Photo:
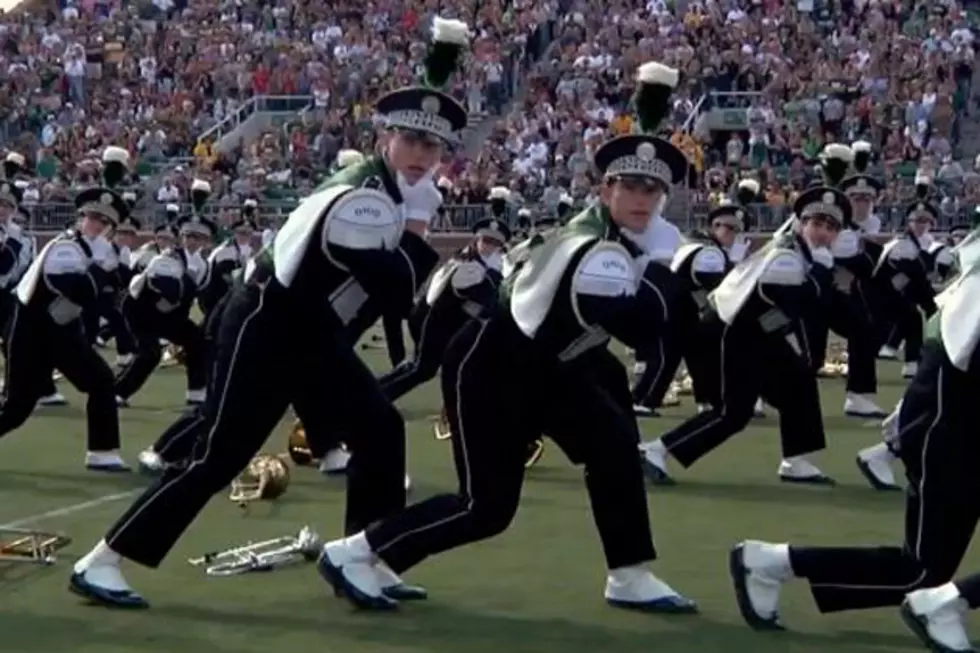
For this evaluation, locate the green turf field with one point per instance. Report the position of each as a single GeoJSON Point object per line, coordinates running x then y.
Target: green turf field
{"type": "Point", "coordinates": [538, 588]}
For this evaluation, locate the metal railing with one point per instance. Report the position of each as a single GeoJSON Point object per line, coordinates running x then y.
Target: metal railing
{"type": "Point", "coordinates": [462, 217]}
{"type": "Point", "coordinates": [256, 104]}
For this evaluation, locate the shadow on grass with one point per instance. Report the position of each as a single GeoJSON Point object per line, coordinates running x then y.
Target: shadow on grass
{"type": "Point", "coordinates": [443, 628]}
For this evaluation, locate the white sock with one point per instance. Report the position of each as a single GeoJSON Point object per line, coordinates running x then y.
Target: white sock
{"type": "Point", "coordinates": [358, 546]}
{"type": "Point", "coordinates": [100, 555]}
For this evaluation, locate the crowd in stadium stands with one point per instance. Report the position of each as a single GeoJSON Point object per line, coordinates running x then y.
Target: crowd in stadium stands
{"type": "Point", "coordinates": [784, 78]}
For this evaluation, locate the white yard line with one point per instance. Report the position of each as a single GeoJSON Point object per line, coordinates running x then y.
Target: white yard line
{"type": "Point", "coordinates": [71, 509]}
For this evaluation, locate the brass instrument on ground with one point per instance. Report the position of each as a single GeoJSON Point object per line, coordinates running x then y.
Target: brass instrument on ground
{"type": "Point", "coordinates": [534, 452]}
{"type": "Point", "coordinates": [535, 449]}
{"type": "Point", "coordinates": [262, 556]}
{"type": "Point", "coordinates": [24, 545]}
{"type": "Point", "coordinates": [297, 447]}
{"type": "Point", "coordinates": [835, 366]}
{"type": "Point", "coordinates": [173, 356]}
{"type": "Point", "coordinates": [265, 478]}
{"type": "Point", "coordinates": [441, 427]}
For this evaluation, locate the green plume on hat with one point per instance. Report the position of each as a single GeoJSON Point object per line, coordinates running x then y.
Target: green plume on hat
{"type": "Point", "coordinates": [449, 38]}
{"type": "Point", "coordinates": [655, 83]}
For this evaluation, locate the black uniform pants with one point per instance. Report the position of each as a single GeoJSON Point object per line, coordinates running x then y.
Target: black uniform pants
{"type": "Point", "coordinates": [906, 325]}
{"type": "Point", "coordinates": [148, 328]}
{"type": "Point", "coordinates": [490, 365]}
{"type": "Point", "coordinates": [969, 588]}
{"type": "Point", "coordinates": [431, 329]}
{"type": "Point", "coordinates": [116, 329]}
{"type": "Point", "coordinates": [394, 339]}
{"type": "Point", "coordinates": [33, 347]}
{"type": "Point", "coordinates": [939, 450]}
{"type": "Point", "coordinates": [849, 316]}
{"type": "Point", "coordinates": [269, 346]}
{"type": "Point", "coordinates": [755, 364]}
{"type": "Point", "coordinates": [663, 355]}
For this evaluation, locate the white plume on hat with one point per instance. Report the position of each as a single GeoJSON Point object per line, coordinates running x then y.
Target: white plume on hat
{"type": "Point", "coordinates": [448, 30]}
{"type": "Point", "coordinates": [750, 185]}
{"type": "Point", "coordinates": [113, 154]}
{"type": "Point", "coordinates": [500, 193]}
{"type": "Point", "coordinates": [347, 158]}
{"type": "Point", "coordinates": [201, 186]}
{"type": "Point", "coordinates": [16, 158]}
{"type": "Point", "coordinates": [861, 146]}
{"type": "Point", "coordinates": [838, 151]}
{"type": "Point", "coordinates": [444, 182]}
{"type": "Point", "coordinates": [172, 208]}
{"type": "Point", "coordinates": [655, 72]}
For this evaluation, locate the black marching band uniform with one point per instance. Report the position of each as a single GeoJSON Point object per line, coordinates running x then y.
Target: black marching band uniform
{"type": "Point", "coordinates": [463, 288]}
{"type": "Point", "coordinates": [157, 306]}
{"type": "Point", "coordinates": [700, 266]}
{"type": "Point", "coordinates": [904, 273]}
{"type": "Point", "coordinates": [224, 263]}
{"type": "Point", "coordinates": [543, 354]}
{"type": "Point", "coordinates": [937, 444]}
{"type": "Point", "coordinates": [852, 308]}
{"type": "Point", "coordinates": [352, 245]}
{"type": "Point", "coordinates": [43, 329]}
{"type": "Point", "coordinates": [18, 251]}
{"type": "Point", "coordinates": [764, 305]}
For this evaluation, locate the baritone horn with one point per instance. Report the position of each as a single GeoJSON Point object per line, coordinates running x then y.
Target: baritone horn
{"type": "Point", "coordinates": [262, 556]}
{"type": "Point", "coordinates": [30, 546]}
{"type": "Point", "coordinates": [265, 478]}
{"type": "Point", "coordinates": [297, 447]}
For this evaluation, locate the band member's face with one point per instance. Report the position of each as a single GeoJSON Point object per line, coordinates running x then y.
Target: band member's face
{"type": "Point", "coordinates": [414, 154]}
{"type": "Point", "coordinates": [194, 242]}
{"type": "Point", "coordinates": [820, 231]}
{"type": "Point", "coordinates": [243, 236]}
{"type": "Point", "coordinates": [6, 211]}
{"type": "Point", "coordinates": [861, 206]}
{"type": "Point", "coordinates": [164, 241]}
{"type": "Point", "coordinates": [724, 233]}
{"type": "Point", "coordinates": [956, 239]}
{"type": "Point", "coordinates": [631, 202]}
{"type": "Point", "coordinates": [920, 226]}
{"type": "Point", "coordinates": [487, 247]}
{"type": "Point", "coordinates": [125, 239]}
{"type": "Point", "coordinates": [91, 225]}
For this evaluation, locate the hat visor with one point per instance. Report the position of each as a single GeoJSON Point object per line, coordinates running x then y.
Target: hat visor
{"type": "Point", "coordinates": [731, 223]}
{"type": "Point", "coordinates": [430, 136]}
{"type": "Point", "coordinates": [492, 234]}
{"type": "Point", "coordinates": [100, 212]}
{"type": "Point", "coordinates": [650, 182]}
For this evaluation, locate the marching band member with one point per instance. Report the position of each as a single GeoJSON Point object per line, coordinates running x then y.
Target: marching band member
{"type": "Point", "coordinates": [902, 275]}
{"type": "Point", "coordinates": [45, 329]}
{"type": "Point", "coordinates": [224, 260]}
{"type": "Point", "coordinates": [853, 305]}
{"type": "Point", "coordinates": [357, 242]}
{"type": "Point", "coordinates": [764, 304]}
{"type": "Point", "coordinates": [701, 266]}
{"type": "Point", "coordinates": [657, 360]}
{"type": "Point", "coordinates": [938, 447]}
{"type": "Point", "coordinates": [465, 287]}
{"type": "Point", "coordinates": [875, 462]}
{"type": "Point", "coordinates": [19, 250]}
{"type": "Point", "coordinates": [564, 208]}
{"type": "Point", "coordinates": [156, 307]}
{"type": "Point", "coordinates": [164, 238]}
{"type": "Point", "coordinates": [580, 287]}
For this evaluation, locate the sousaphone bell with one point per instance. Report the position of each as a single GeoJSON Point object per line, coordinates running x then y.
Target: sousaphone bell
{"type": "Point", "coordinates": [265, 479]}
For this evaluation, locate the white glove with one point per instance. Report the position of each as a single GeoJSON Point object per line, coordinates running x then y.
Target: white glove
{"type": "Point", "coordinates": [822, 256]}
{"type": "Point", "coordinates": [421, 199]}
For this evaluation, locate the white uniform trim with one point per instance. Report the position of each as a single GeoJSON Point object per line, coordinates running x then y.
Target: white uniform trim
{"type": "Point", "coordinates": [467, 275]}
{"type": "Point", "coordinates": [785, 268]}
